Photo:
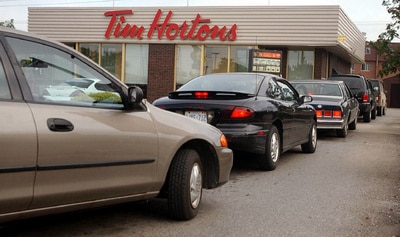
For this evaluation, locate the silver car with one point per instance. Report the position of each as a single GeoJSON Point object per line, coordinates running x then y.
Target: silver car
{"type": "Point", "coordinates": [96, 149]}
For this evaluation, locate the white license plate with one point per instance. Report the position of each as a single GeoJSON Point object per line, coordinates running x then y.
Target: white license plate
{"type": "Point", "coordinates": [198, 115]}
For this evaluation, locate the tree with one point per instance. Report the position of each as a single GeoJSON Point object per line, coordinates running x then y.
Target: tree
{"type": "Point", "coordinates": [9, 24]}
{"type": "Point", "coordinates": [383, 45]}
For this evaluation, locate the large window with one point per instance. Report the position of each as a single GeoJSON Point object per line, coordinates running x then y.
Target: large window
{"type": "Point", "coordinates": [216, 59]}
{"type": "Point", "coordinates": [111, 58]}
{"type": "Point", "coordinates": [90, 50]}
{"type": "Point", "coordinates": [136, 64]}
{"type": "Point", "coordinates": [188, 60]}
{"type": "Point", "coordinates": [300, 64]}
{"type": "Point", "coordinates": [239, 60]}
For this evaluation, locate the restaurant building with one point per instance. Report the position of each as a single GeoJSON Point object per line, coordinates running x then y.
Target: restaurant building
{"type": "Point", "coordinates": [161, 48]}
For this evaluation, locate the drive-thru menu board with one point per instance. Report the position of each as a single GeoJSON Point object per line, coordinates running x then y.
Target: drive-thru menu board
{"type": "Point", "coordinates": [269, 61]}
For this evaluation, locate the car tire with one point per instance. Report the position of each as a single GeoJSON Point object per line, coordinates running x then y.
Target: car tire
{"type": "Point", "coordinates": [185, 185]}
{"type": "Point", "coordinates": [311, 145]}
{"type": "Point", "coordinates": [367, 116]}
{"type": "Point", "coordinates": [353, 125]}
{"type": "Point", "coordinates": [342, 132]}
{"type": "Point", "coordinates": [373, 113]}
{"type": "Point", "coordinates": [269, 160]}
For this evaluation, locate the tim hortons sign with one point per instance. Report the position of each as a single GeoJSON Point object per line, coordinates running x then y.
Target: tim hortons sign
{"type": "Point", "coordinates": [198, 29]}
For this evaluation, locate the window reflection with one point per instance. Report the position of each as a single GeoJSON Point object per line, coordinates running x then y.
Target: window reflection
{"type": "Point", "coordinates": [188, 60]}
{"type": "Point", "coordinates": [4, 89]}
{"type": "Point", "coordinates": [54, 76]}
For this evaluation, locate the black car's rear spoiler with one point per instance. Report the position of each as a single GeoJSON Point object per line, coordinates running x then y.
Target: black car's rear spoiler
{"type": "Point", "coordinates": [214, 95]}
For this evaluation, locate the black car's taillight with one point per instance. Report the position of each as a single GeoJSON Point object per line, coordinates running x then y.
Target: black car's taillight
{"type": "Point", "coordinates": [241, 113]}
{"type": "Point", "coordinates": [201, 94]}
{"type": "Point", "coordinates": [365, 97]}
{"type": "Point", "coordinates": [329, 114]}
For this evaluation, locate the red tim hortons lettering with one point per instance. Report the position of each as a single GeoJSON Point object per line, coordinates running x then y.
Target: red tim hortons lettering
{"type": "Point", "coordinates": [198, 30]}
{"type": "Point", "coordinates": [160, 28]}
{"type": "Point", "coordinates": [114, 15]}
{"type": "Point", "coordinates": [127, 30]}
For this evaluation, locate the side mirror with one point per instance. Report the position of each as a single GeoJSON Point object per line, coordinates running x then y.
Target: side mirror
{"type": "Point", "coordinates": [135, 95]}
{"type": "Point", "coordinates": [306, 99]}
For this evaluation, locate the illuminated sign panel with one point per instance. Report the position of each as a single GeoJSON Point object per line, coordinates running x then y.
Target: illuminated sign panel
{"type": "Point", "coordinates": [268, 61]}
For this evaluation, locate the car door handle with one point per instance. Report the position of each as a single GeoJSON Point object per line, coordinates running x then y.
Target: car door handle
{"type": "Point", "coordinates": [59, 125]}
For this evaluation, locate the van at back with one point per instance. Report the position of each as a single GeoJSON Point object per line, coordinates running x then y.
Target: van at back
{"type": "Point", "coordinates": [380, 94]}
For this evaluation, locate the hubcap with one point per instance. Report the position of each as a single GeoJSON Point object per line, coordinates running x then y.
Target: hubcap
{"type": "Point", "coordinates": [314, 136]}
{"type": "Point", "coordinates": [195, 185]}
{"type": "Point", "coordinates": [274, 147]}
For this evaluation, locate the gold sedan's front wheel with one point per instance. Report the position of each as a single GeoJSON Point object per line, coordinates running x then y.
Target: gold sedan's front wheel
{"type": "Point", "coordinates": [185, 185]}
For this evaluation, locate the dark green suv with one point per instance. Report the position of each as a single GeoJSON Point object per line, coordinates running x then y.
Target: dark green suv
{"type": "Point", "coordinates": [362, 90]}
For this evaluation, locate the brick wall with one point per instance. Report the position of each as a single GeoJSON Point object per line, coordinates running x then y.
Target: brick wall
{"type": "Point", "coordinates": [320, 67]}
{"type": "Point", "coordinates": [161, 70]}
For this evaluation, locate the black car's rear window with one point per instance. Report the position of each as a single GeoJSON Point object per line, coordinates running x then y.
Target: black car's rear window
{"type": "Point", "coordinates": [354, 83]}
{"type": "Point", "coordinates": [374, 84]}
{"type": "Point", "coordinates": [309, 88]}
{"type": "Point", "coordinates": [247, 83]}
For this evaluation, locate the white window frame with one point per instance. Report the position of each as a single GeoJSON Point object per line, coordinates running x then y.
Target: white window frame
{"type": "Point", "coordinates": [365, 67]}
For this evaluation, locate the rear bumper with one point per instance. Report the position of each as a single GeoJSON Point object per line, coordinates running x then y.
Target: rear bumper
{"type": "Point", "coordinates": [364, 107]}
{"type": "Point", "coordinates": [248, 138]}
{"type": "Point", "coordinates": [330, 124]}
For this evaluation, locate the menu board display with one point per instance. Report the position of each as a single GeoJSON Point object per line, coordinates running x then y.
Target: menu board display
{"type": "Point", "coordinates": [269, 61]}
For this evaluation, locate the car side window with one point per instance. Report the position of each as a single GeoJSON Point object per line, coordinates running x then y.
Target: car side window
{"type": "Point", "coordinates": [4, 87]}
{"type": "Point", "coordinates": [272, 90]}
{"type": "Point", "coordinates": [347, 92]}
{"type": "Point", "coordinates": [287, 92]}
{"type": "Point", "coordinates": [55, 76]}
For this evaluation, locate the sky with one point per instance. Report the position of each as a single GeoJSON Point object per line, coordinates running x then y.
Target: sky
{"type": "Point", "coordinates": [368, 15]}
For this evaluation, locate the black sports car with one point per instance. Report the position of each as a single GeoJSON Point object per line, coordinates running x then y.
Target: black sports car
{"type": "Point", "coordinates": [335, 106]}
{"type": "Point", "coordinates": [258, 113]}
